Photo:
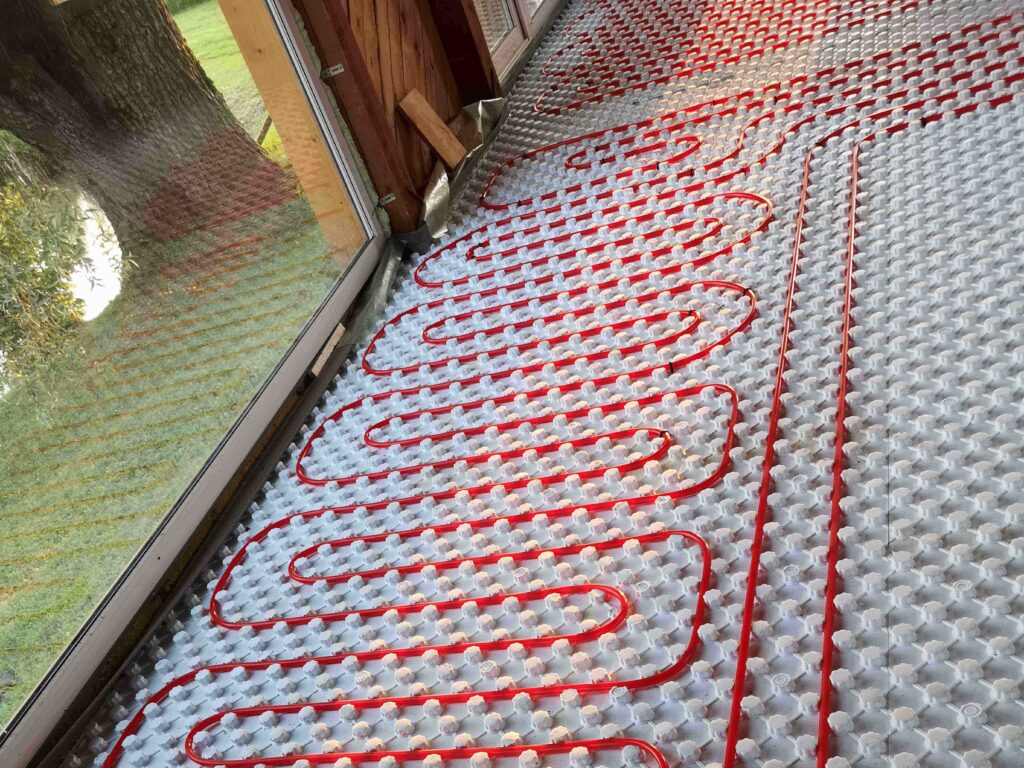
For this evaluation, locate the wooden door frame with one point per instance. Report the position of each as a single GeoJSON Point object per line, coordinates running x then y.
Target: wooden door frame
{"type": "Point", "coordinates": [345, 73]}
{"type": "Point", "coordinates": [538, 22]}
{"type": "Point", "coordinates": [463, 41]}
{"type": "Point", "coordinates": [514, 42]}
{"type": "Point", "coordinates": [513, 52]}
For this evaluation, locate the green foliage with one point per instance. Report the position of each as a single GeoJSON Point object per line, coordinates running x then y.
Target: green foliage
{"type": "Point", "coordinates": [41, 245]}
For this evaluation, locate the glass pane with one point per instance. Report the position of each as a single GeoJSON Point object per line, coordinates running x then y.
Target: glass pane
{"type": "Point", "coordinates": [159, 257]}
{"type": "Point", "coordinates": [533, 6]}
{"type": "Point", "coordinates": [496, 20]}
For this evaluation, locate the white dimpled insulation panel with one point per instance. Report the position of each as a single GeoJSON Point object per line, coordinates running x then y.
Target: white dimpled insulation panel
{"type": "Point", "coordinates": [694, 443]}
{"type": "Point", "coordinates": [930, 651]}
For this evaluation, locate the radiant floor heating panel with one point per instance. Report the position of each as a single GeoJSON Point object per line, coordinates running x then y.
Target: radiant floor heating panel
{"type": "Point", "coordinates": [696, 442]}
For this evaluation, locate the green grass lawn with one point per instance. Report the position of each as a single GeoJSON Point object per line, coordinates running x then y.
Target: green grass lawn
{"type": "Point", "coordinates": [207, 34]}
{"type": "Point", "coordinates": [90, 465]}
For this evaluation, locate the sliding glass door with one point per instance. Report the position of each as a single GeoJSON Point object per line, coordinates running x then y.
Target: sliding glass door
{"type": "Point", "coordinates": [183, 229]}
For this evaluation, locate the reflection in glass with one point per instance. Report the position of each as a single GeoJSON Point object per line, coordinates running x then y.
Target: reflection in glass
{"type": "Point", "coordinates": [159, 259]}
{"type": "Point", "coordinates": [495, 20]}
{"type": "Point", "coordinates": [533, 6]}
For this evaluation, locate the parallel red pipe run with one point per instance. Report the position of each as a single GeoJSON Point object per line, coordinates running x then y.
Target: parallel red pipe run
{"type": "Point", "coordinates": [830, 621]}
{"type": "Point", "coordinates": [838, 463]}
{"type": "Point", "coordinates": [733, 734]}
{"type": "Point", "coordinates": [838, 458]}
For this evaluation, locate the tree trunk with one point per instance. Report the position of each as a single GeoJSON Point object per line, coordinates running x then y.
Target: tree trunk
{"type": "Point", "coordinates": [110, 94]}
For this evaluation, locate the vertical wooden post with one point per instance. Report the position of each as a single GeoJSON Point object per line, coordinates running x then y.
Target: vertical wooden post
{"type": "Point", "coordinates": [463, 41]}
{"type": "Point", "coordinates": [271, 69]}
{"type": "Point", "coordinates": [349, 80]}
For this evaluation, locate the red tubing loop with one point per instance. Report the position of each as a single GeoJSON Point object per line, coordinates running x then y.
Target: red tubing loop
{"type": "Point", "coordinates": [589, 299]}
{"type": "Point", "coordinates": [617, 76]}
{"type": "Point", "coordinates": [657, 442]}
{"type": "Point", "coordinates": [610, 229]}
{"type": "Point", "coordinates": [609, 596]}
{"type": "Point", "coordinates": [649, 444]}
{"type": "Point", "coordinates": [586, 551]}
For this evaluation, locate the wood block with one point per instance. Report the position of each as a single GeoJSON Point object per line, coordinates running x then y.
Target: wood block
{"type": "Point", "coordinates": [432, 129]}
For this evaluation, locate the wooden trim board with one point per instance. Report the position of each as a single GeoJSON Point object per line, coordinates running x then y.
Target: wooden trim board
{"type": "Point", "coordinates": [432, 129]}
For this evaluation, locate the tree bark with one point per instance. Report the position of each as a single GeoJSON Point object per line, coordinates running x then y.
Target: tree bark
{"type": "Point", "coordinates": [110, 94]}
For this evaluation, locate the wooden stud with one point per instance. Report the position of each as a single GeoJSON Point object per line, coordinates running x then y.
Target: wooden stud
{"type": "Point", "coordinates": [462, 38]}
{"type": "Point", "coordinates": [432, 128]}
{"type": "Point", "coordinates": [387, 85]}
{"type": "Point", "coordinates": [357, 96]}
